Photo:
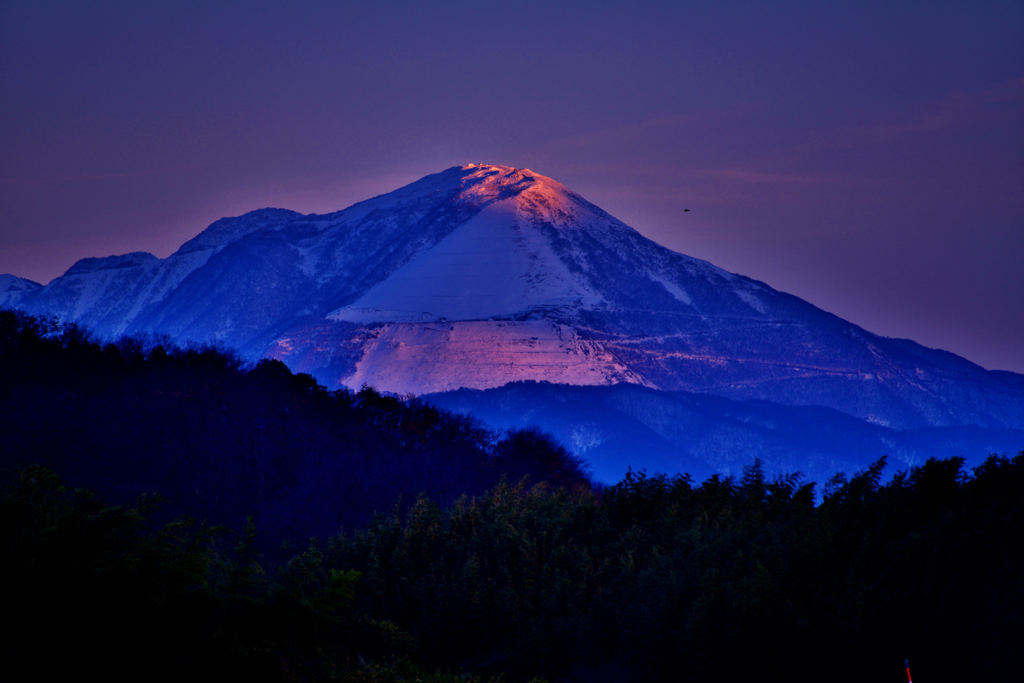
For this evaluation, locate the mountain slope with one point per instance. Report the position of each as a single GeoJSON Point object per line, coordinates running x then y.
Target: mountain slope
{"type": "Point", "coordinates": [678, 431]}
{"type": "Point", "coordinates": [483, 275]}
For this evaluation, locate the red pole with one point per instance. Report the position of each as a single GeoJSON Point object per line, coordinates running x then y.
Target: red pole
{"type": "Point", "coordinates": [906, 663]}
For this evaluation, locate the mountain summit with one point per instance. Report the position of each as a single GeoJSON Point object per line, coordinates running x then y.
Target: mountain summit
{"type": "Point", "coordinates": [480, 276]}
{"type": "Point", "coordinates": [500, 262]}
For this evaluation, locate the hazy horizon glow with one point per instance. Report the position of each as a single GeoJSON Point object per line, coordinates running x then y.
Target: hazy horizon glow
{"type": "Point", "coordinates": [866, 157]}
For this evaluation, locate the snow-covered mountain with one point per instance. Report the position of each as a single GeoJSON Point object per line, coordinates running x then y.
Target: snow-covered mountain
{"type": "Point", "coordinates": [481, 275]}
{"type": "Point", "coordinates": [12, 286]}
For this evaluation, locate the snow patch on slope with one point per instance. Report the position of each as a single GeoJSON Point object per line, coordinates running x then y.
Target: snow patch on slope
{"type": "Point", "coordinates": [751, 299]}
{"type": "Point", "coordinates": [675, 290]}
{"type": "Point", "coordinates": [416, 358]}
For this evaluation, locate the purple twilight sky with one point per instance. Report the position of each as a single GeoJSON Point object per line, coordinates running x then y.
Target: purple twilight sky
{"type": "Point", "coordinates": [865, 156]}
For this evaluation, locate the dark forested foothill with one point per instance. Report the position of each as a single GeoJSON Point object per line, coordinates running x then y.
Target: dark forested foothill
{"type": "Point", "coordinates": [221, 441]}
{"type": "Point", "coordinates": [508, 563]}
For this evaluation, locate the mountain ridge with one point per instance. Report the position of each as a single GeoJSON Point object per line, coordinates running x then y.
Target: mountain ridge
{"type": "Point", "coordinates": [483, 275]}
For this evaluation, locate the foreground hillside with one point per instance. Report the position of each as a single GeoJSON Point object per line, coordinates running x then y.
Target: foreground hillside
{"type": "Point", "coordinates": [534, 572]}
